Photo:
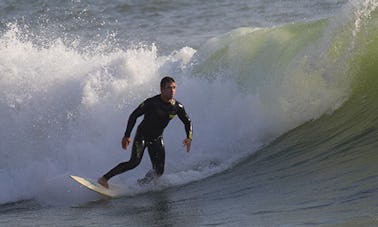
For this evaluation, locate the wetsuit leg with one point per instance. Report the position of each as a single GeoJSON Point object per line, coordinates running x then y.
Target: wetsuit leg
{"type": "Point", "coordinates": [156, 150]}
{"type": "Point", "coordinates": [139, 146]}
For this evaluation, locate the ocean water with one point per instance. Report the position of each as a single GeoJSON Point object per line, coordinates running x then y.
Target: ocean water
{"type": "Point", "coordinates": [282, 95]}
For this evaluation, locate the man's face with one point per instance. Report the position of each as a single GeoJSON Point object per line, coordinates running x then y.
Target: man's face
{"type": "Point", "coordinates": [168, 91]}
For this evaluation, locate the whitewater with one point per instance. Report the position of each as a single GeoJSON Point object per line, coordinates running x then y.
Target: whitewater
{"type": "Point", "coordinates": [282, 97]}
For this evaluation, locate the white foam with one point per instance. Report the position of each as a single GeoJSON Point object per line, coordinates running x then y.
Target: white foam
{"type": "Point", "coordinates": [64, 112]}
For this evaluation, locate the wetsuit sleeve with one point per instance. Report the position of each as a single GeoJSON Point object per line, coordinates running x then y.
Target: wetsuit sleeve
{"type": "Point", "coordinates": [140, 110]}
{"type": "Point", "coordinates": [186, 120]}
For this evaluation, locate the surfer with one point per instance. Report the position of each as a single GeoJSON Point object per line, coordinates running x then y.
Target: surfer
{"type": "Point", "coordinates": [158, 111]}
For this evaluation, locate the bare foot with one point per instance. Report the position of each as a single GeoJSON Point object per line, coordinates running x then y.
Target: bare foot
{"type": "Point", "coordinates": [103, 182]}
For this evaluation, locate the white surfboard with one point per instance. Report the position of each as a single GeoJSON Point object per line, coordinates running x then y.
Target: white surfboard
{"type": "Point", "coordinates": [112, 191]}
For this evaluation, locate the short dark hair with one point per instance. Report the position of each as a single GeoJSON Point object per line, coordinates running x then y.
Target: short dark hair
{"type": "Point", "coordinates": [166, 80]}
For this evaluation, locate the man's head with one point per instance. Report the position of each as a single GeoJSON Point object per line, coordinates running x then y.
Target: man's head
{"type": "Point", "coordinates": [167, 88]}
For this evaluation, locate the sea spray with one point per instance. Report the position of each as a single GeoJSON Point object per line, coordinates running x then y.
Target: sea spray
{"type": "Point", "coordinates": [64, 109]}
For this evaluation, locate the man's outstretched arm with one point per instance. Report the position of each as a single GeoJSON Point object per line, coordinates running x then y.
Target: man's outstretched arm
{"type": "Point", "coordinates": [140, 110]}
{"type": "Point", "coordinates": [188, 126]}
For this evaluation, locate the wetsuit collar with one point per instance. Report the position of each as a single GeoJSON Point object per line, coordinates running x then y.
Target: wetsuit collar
{"type": "Point", "coordinates": [171, 101]}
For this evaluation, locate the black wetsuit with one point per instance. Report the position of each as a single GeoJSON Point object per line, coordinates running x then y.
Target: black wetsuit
{"type": "Point", "coordinates": [157, 115]}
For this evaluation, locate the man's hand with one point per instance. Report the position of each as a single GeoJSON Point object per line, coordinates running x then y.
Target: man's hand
{"type": "Point", "coordinates": [187, 142]}
{"type": "Point", "coordinates": [125, 142]}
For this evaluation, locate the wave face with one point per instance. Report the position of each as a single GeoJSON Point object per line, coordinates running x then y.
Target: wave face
{"type": "Point", "coordinates": [63, 109]}
{"type": "Point", "coordinates": [324, 171]}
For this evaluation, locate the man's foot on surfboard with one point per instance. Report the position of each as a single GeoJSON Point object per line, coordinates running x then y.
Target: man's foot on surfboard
{"type": "Point", "coordinates": [103, 182]}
